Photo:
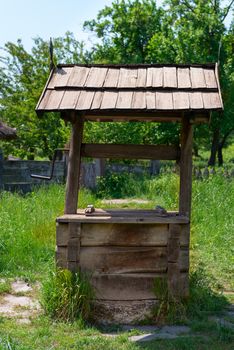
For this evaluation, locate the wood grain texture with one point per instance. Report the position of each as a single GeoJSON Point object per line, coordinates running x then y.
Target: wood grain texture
{"type": "Point", "coordinates": [197, 78]}
{"type": "Point", "coordinates": [127, 78]}
{"type": "Point", "coordinates": [186, 168]}
{"type": "Point", "coordinates": [164, 101]}
{"type": "Point", "coordinates": [120, 151]}
{"type": "Point", "coordinates": [195, 100]}
{"type": "Point", "coordinates": [141, 77]}
{"type": "Point", "coordinates": [118, 235]}
{"type": "Point", "coordinates": [60, 77]}
{"type": "Point", "coordinates": [150, 100]}
{"type": "Point", "coordinates": [181, 100]}
{"type": "Point", "coordinates": [210, 78]}
{"type": "Point", "coordinates": [173, 247]}
{"type": "Point", "coordinates": [211, 100]}
{"type": "Point", "coordinates": [112, 78]}
{"type": "Point", "coordinates": [51, 100]}
{"type": "Point", "coordinates": [85, 100]}
{"type": "Point", "coordinates": [129, 286]}
{"type": "Point", "coordinates": [78, 76]}
{"type": "Point", "coordinates": [138, 100]}
{"type": "Point", "coordinates": [97, 100]}
{"type": "Point", "coordinates": [69, 100]}
{"type": "Point", "coordinates": [96, 77]}
{"type": "Point", "coordinates": [73, 174]}
{"type": "Point", "coordinates": [183, 77]}
{"type": "Point", "coordinates": [124, 100]}
{"type": "Point", "coordinates": [109, 99]}
{"type": "Point", "coordinates": [169, 77]}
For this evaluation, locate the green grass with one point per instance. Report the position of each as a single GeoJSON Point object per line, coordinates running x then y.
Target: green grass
{"type": "Point", "coordinates": [27, 240]}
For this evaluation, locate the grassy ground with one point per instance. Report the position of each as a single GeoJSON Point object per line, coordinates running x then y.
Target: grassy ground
{"type": "Point", "coordinates": [27, 240]}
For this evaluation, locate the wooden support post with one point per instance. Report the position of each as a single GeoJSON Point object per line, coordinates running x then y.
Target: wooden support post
{"type": "Point", "coordinates": [73, 175]}
{"type": "Point", "coordinates": [186, 167]}
{"type": "Point", "coordinates": [173, 255]}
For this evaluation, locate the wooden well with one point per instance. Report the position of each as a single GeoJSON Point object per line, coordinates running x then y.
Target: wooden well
{"type": "Point", "coordinates": [125, 251]}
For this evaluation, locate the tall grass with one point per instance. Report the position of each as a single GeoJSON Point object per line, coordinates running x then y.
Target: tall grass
{"type": "Point", "coordinates": [27, 223]}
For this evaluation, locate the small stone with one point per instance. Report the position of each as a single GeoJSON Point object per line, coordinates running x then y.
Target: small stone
{"type": "Point", "coordinates": [20, 287]}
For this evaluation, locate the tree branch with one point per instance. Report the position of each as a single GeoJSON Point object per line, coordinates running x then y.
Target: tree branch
{"type": "Point", "coordinates": [228, 8]}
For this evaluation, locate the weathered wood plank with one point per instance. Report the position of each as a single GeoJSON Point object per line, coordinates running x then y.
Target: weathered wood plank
{"type": "Point", "coordinates": [164, 100]}
{"type": "Point", "coordinates": [118, 235]}
{"type": "Point", "coordinates": [73, 174]}
{"type": "Point", "coordinates": [69, 99]}
{"type": "Point", "coordinates": [141, 78]}
{"type": "Point", "coordinates": [211, 100]}
{"type": "Point", "coordinates": [157, 80]}
{"type": "Point", "coordinates": [140, 219]}
{"type": "Point", "coordinates": [60, 77]}
{"type": "Point", "coordinates": [96, 77]}
{"type": "Point", "coordinates": [186, 168]}
{"type": "Point", "coordinates": [138, 100]}
{"type": "Point", "coordinates": [109, 99]}
{"type": "Point", "coordinates": [112, 78]}
{"type": "Point", "coordinates": [210, 79]}
{"type": "Point", "coordinates": [183, 77]}
{"type": "Point", "coordinates": [124, 99]}
{"type": "Point", "coordinates": [61, 257]}
{"type": "Point", "coordinates": [177, 281]}
{"type": "Point", "coordinates": [173, 247]}
{"type": "Point", "coordinates": [97, 100]}
{"type": "Point", "coordinates": [78, 76]}
{"type": "Point", "coordinates": [123, 259]}
{"type": "Point", "coordinates": [181, 100]}
{"type": "Point", "coordinates": [128, 286]}
{"type": "Point", "coordinates": [130, 151]}
{"type": "Point", "coordinates": [127, 78]}
{"type": "Point", "coordinates": [169, 77]}
{"type": "Point", "coordinates": [197, 78]}
{"type": "Point", "coordinates": [185, 235]}
{"type": "Point", "coordinates": [195, 99]}
{"type": "Point", "coordinates": [85, 100]}
{"type": "Point", "coordinates": [51, 100]}
{"type": "Point", "coordinates": [149, 77]}
{"type": "Point", "coordinates": [150, 100]}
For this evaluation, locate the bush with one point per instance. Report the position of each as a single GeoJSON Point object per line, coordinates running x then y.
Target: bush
{"type": "Point", "coordinates": [67, 296]}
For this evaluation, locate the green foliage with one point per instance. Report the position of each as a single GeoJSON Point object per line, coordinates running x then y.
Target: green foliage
{"type": "Point", "coordinates": [67, 296]}
{"type": "Point", "coordinates": [203, 299]}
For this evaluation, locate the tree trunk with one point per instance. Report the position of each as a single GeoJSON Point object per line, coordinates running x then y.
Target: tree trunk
{"type": "Point", "coordinates": [214, 148]}
{"type": "Point", "coordinates": [220, 147]}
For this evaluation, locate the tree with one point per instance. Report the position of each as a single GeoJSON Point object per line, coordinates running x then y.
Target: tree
{"type": "Point", "coordinates": [181, 31]}
{"type": "Point", "coordinates": [22, 79]}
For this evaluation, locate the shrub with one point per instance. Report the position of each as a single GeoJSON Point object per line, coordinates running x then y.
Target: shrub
{"type": "Point", "coordinates": [67, 296]}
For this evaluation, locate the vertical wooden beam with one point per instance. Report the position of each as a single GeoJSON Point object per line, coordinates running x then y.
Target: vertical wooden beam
{"type": "Point", "coordinates": [186, 167]}
{"type": "Point", "coordinates": [73, 174]}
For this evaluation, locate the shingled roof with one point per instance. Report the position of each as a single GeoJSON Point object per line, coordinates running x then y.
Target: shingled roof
{"type": "Point", "coordinates": [119, 88]}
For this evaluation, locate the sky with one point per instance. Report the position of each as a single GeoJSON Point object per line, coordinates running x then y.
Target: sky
{"type": "Point", "coordinates": [27, 19]}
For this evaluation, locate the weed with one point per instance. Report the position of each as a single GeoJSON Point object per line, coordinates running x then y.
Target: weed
{"type": "Point", "coordinates": [67, 296]}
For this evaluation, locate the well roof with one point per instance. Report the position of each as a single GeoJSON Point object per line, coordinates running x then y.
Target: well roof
{"type": "Point", "coordinates": [119, 88]}
{"type": "Point", "coordinates": [7, 133]}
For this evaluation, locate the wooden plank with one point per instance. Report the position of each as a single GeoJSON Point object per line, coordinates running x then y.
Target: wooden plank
{"type": "Point", "coordinates": [186, 168]}
{"type": "Point", "coordinates": [157, 77]}
{"type": "Point", "coordinates": [141, 77]}
{"type": "Point", "coordinates": [109, 99]}
{"type": "Point", "coordinates": [197, 78]}
{"type": "Point", "coordinates": [118, 235]}
{"type": "Point", "coordinates": [124, 100]}
{"type": "Point", "coordinates": [185, 235]}
{"type": "Point", "coordinates": [177, 281]}
{"type": "Point", "coordinates": [96, 77]}
{"type": "Point", "coordinates": [60, 77]}
{"type": "Point", "coordinates": [210, 78]}
{"type": "Point", "coordinates": [149, 77]}
{"type": "Point", "coordinates": [125, 212]}
{"type": "Point", "coordinates": [195, 100]}
{"type": "Point", "coordinates": [141, 219]}
{"type": "Point", "coordinates": [138, 100]}
{"type": "Point", "coordinates": [69, 99]}
{"type": "Point", "coordinates": [97, 100]}
{"type": "Point", "coordinates": [169, 77]}
{"type": "Point", "coordinates": [112, 78]}
{"type": "Point", "coordinates": [211, 100]}
{"type": "Point", "coordinates": [173, 248]}
{"type": "Point", "coordinates": [130, 151]}
{"type": "Point", "coordinates": [73, 245]}
{"type": "Point", "coordinates": [73, 174]}
{"type": "Point", "coordinates": [44, 100]}
{"type": "Point", "coordinates": [121, 260]}
{"type": "Point", "coordinates": [78, 76]}
{"type": "Point", "coordinates": [51, 100]}
{"type": "Point", "coordinates": [164, 101]}
{"type": "Point", "coordinates": [62, 234]}
{"type": "Point", "coordinates": [61, 257]}
{"type": "Point", "coordinates": [183, 76]}
{"type": "Point", "coordinates": [129, 286]}
{"type": "Point", "coordinates": [150, 100]}
{"type": "Point", "coordinates": [85, 100]}
{"type": "Point", "coordinates": [184, 259]}
{"type": "Point", "coordinates": [181, 100]}
{"type": "Point", "coordinates": [127, 78]}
